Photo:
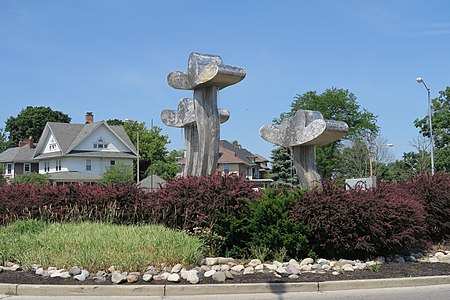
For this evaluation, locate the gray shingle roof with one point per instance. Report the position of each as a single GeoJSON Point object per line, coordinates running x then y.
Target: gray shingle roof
{"type": "Point", "coordinates": [17, 154]}
{"type": "Point", "coordinates": [68, 136]}
{"type": "Point", "coordinates": [74, 176]}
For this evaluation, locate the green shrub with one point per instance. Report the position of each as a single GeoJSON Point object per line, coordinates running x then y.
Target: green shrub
{"type": "Point", "coordinates": [120, 173]}
{"type": "Point", "coordinates": [31, 178]}
{"type": "Point", "coordinates": [264, 227]}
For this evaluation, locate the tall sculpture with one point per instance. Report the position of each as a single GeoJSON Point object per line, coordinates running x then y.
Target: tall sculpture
{"type": "Point", "coordinates": [200, 116]}
{"type": "Point", "coordinates": [302, 133]}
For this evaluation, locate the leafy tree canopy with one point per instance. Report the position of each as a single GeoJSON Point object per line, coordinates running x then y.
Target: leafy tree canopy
{"type": "Point", "coordinates": [118, 174]}
{"type": "Point", "coordinates": [3, 142]}
{"type": "Point", "coordinates": [31, 122]}
{"type": "Point", "coordinates": [440, 118]}
{"type": "Point", "coordinates": [153, 154]}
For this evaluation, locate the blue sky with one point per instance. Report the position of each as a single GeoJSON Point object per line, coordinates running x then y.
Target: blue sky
{"type": "Point", "coordinates": [112, 58]}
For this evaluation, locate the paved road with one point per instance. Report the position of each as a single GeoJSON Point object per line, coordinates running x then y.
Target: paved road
{"type": "Point", "coordinates": [435, 292]}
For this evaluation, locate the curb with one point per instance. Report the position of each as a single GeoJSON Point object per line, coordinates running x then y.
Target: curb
{"type": "Point", "coordinates": [212, 289]}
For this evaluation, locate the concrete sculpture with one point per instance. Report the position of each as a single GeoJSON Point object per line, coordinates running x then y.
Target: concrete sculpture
{"type": "Point", "coordinates": [302, 133]}
{"type": "Point", "coordinates": [200, 116]}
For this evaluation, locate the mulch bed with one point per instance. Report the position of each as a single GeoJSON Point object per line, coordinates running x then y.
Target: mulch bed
{"type": "Point", "coordinates": [388, 270]}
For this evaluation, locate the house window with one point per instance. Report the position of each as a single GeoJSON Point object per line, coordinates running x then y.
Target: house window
{"type": "Point", "coordinates": [112, 162]}
{"type": "Point", "coordinates": [226, 168]}
{"type": "Point", "coordinates": [9, 169]}
{"type": "Point", "coordinates": [100, 144]}
{"type": "Point", "coordinates": [58, 165]}
{"type": "Point", "coordinates": [26, 168]}
{"type": "Point", "coordinates": [46, 166]}
{"type": "Point", "coordinates": [88, 165]}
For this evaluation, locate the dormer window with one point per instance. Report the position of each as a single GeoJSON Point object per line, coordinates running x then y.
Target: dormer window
{"type": "Point", "coordinates": [100, 144]}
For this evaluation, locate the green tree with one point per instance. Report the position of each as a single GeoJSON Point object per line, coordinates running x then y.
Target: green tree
{"type": "Point", "coordinates": [440, 118]}
{"type": "Point", "coordinates": [118, 174]}
{"type": "Point", "coordinates": [282, 173]}
{"type": "Point", "coordinates": [32, 179]}
{"type": "Point", "coordinates": [3, 143]}
{"type": "Point", "coordinates": [31, 122]}
{"type": "Point", "coordinates": [153, 154]}
{"type": "Point", "coordinates": [340, 105]}
{"type": "Point", "coordinates": [167, 168]}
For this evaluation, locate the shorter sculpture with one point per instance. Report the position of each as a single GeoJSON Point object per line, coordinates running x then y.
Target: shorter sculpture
{"type": "Point", "coordinates": [302, 133]}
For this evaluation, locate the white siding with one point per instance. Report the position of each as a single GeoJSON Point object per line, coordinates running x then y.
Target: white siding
{"type": "Point", "coordinates": [78, 164]}
{"type": "Point", "coordinates": [50, 144]}
{"type": "Point", "coordinates": [102, 132]}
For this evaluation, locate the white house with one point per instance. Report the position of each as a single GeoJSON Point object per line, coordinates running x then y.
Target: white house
{"type": "Point", "coordinates": [82, 152]}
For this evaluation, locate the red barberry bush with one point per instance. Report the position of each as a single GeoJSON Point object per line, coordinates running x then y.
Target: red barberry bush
{"type": "Point", "coordinates": [361, 224]}
{"type": "Point", "coordinates": [434, 194]}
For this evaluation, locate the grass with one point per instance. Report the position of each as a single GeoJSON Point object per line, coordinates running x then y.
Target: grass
{"type": "Point", "coordinates": [96, 246]}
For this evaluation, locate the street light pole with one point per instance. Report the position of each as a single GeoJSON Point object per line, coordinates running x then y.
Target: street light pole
{"type": "Point", "coordinates": [420, 80]}
{"type": "Point", "coordinates": [137, 161]}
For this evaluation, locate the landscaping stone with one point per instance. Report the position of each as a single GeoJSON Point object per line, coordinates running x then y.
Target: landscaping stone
{"type": "Point", "coordinates": [323, 261]}
{"type": "Point", "coordinates": [249, 270]}
{"type": "Point", "coordinates": [228, 274]}
{"type": "Point", "coordinates": [254, 262]}
{"type": "Point", "coordinates": [151, 270]}
{"type": "Point", "coordinates": [74, 271]}
{"type": "Point", "coordinates": [216, 268]}
{"type": "Point", "coordinates": [133, 277]}
{"type": "Point", "coordinates": [176, 268]}
{"type": "Point", "coordinates": [277, 264]}
{"type": "Point", "coordinates": [270, 267]}
{"type": "Point", "coordinates": [281, 271]}
{"type": "Point", "coordinates": [335, 273]}
{"type": "Point", "coordinates": [80, 277]}
{"type": "Point", "coordinates": [209, 273]}
{"type": "Point", "coordinates": [259, 268]}
{"type": "Point", "coordinates": [225, 260]}
{"type": "Point", "coordinates": [224, 268]}
{"type": "Point", "coordinates": [307, 261]}
{"type": "Point", "coordinates": [98, 279]}
{"type": "Point", "coordinates": [219, 276]}
{"type": "Point", "coordinates": [293, 269]}
{"type": "Point", "coordinates": [293, 276]}
{"type": "Point", "coordinates": [210, 261]}
{"type": "Point", "coordinates": [238, 268]}
{"type": "Point", "coordinates": [165, 275]}
{"type": "Point", "coordinates": [118, 277]}
{"type": "Point", "coordinates": [305, 268]}
{"type": "Point", "coordinates": [147, 277]}
{"type": "Point", "coordinates": [295, 263]}
{"type": "Point", "coordinates": [57, 273]}
{"type": "Point", "coordinates": [193, 278]}
{"type": "Point", "coordinates": [173, 277]}
{"type": "Point", "coordinates": [347, 268]}
{"type": "Point", "coordinates": [40, 271]}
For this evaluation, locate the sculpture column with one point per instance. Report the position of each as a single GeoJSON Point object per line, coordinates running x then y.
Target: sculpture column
{"type": "Point", "coordinates": [302, 133]}
{"type": "Point", "coordinates": [201, 120]}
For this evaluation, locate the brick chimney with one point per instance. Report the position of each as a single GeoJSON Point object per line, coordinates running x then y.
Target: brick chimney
{"type": "Point", "coordinates": [89, 117]}
{"type": "Point", "coordinates": [30, 142]}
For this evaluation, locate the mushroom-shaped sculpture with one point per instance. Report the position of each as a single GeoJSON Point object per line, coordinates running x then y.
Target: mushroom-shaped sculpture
{"type": "Point", "coordinates": [302, 133]}
{"type": "Point", "coordinates": [206, 75]}
{"type": "Point", "coordinates": [184, 117]}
